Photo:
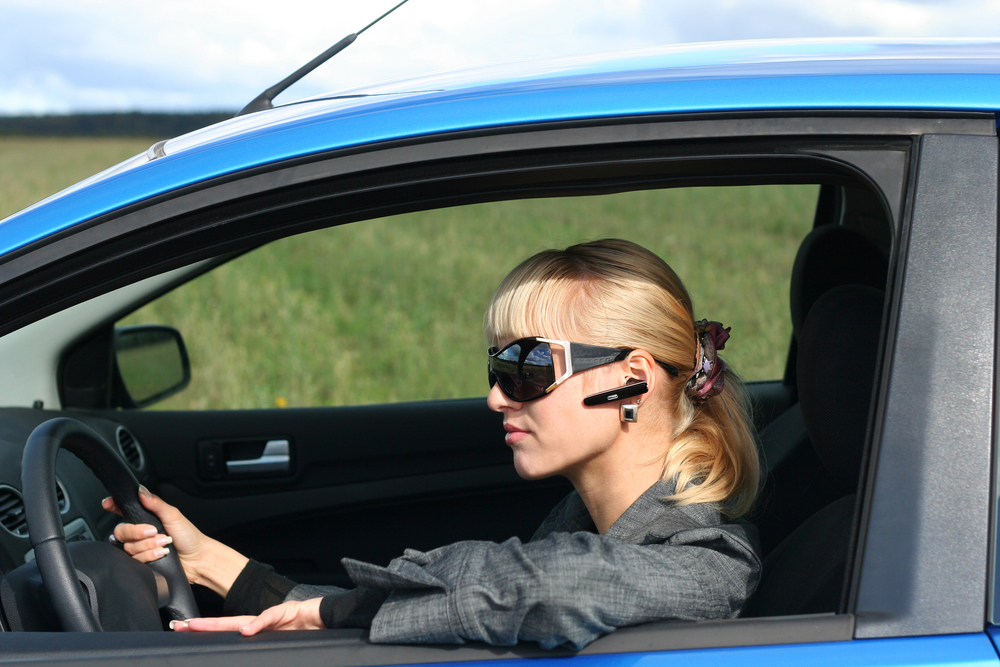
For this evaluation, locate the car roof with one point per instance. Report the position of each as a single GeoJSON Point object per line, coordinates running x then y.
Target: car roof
{"type": "Point", "coordinates": [755, 76]}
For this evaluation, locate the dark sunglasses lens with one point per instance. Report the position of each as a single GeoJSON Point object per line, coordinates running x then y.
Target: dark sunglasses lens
{"type": "Point", "coordinates": [524, 370]}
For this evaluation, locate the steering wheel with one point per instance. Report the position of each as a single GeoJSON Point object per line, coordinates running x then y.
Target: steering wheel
{"type": "Point", "coordinates": [45, 528]}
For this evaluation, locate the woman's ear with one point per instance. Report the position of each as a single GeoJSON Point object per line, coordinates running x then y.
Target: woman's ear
{"type": "Point", "coordinates": [642, 366]}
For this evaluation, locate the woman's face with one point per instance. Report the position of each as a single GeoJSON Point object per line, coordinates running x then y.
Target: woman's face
{"type": "Point", "coordinates": [557, 434]}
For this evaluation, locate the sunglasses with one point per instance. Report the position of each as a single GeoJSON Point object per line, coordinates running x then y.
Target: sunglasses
{"type": "Point", "coordinates": [525, 369]}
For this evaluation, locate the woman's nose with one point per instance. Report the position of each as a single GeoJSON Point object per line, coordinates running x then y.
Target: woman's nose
{"type": "Point", "coordinates": [498, 401]}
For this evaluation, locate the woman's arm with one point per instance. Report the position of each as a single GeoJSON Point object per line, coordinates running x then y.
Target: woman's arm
{"type": "Point", "coordinates": [206, 561]}
{"type": "Point", "coordinates": [565, 589]}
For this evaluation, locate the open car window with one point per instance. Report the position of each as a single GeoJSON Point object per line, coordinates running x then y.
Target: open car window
{"type": "Point", "coordinates": [391, 309]}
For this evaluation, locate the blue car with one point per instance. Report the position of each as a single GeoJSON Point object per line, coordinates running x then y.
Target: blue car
{"type": "Point", "coordinates": [868, 251]}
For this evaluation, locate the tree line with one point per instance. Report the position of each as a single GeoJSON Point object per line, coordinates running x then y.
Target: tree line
{"type": "Point", "coordinates": [134, 124]}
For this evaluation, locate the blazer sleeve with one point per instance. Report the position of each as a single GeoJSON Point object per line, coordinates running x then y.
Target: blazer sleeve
{"type": "Point", "coordinates": [568, 588]}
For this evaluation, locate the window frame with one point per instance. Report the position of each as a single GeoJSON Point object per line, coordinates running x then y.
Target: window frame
{"type": "Point", "coordinates": [232, 214]}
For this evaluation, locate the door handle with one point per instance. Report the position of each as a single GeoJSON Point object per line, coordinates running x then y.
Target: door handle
{"type": "Point", "coordinates": [275, 458]}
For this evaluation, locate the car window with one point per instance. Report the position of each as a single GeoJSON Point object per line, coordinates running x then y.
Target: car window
{"type": "Point", "coordinates": [391, 310]}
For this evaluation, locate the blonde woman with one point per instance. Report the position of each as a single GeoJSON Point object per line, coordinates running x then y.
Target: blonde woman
{"type": "Point", "coordinates": [601, 375]}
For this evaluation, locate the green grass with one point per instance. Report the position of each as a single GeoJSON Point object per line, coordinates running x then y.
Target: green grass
{"type": "Point", "coordinates": [391, 310]}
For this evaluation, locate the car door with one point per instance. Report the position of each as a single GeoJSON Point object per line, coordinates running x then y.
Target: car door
{"type": "Point", "coordinates": [940, 279]}
{"type": "Point", "coordinates": [443, 458]}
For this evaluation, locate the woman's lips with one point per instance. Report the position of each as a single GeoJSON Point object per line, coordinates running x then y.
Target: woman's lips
{"type": "Point", "coordinates": [514, 434]}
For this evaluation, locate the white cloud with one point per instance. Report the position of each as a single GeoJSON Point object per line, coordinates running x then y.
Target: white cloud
{"type": "Point", "coordinates": [68, 55]}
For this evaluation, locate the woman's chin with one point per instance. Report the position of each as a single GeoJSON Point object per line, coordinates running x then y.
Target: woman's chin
{"type": "Point", "coordinates": [530, 472]}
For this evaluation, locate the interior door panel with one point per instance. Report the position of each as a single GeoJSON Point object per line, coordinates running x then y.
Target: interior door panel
{"type": "Point", "coordinates": [365, 482]}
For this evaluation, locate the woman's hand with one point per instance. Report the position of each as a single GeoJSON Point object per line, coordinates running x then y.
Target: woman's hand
{"type": "Point", "coordinates": [142, 541]}
{"type": "Point", "coordinates": [285, 616]}
{"type": "Point", "coordinates": [206, 561]}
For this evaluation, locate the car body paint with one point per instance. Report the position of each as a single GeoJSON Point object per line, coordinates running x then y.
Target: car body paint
{"type": "Point", "coordinates": [969, 650]}
{"type": "Point", "coordinates": [947, 75]}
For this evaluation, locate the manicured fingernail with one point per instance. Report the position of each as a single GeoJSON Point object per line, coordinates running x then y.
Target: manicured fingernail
{"type": "Point", "coordinates": [143, 491]}
{"type": "Point", "coordinates": [160, 553]}
{"type": "Point", "coordinates": [105, 500]}
{"type": "Point", "coordinates": [111, 538]}
{"type": "Point", "coordinates": [174, 624]}
{"type": "Point", "coordinates": [245, 628]}
{"type": "Point", "coordinates": [149, 532]}
{"type": "Point", "coordinates": [163, 540]}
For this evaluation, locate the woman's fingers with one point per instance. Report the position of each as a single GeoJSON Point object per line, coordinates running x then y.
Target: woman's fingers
{"type": "Point", "coordinates": [275, 618]}
{"type": "Point", "coordinates": [109, 506]}
{"type": "Point", "coordinates": [150, 549]}
{"type": "Point", "coordinates": [285, 616]}
{"type": "Point", "coordinates": [151, 555]}
{"type": "Point", "coordinates": [224, 624]}
{"type": "Point", "coordinates": [154, 504]}
{"type": "Point", "coordinates": [142, 541]}
{"type": "Point", "coordinates": [165, 512]}
{"type": "Point", "coordinates": [132, 532]}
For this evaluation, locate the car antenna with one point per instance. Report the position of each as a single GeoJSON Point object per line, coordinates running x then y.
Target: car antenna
{"type": "Point", "coordinates": [263, 101]}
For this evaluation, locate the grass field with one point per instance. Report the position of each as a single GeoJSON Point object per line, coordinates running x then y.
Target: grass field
{"type": "Point", "coordinates": [392, 309]}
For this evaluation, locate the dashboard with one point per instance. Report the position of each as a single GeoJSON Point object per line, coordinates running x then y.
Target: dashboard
{"type": "Point", "coordinates": [78, 490]}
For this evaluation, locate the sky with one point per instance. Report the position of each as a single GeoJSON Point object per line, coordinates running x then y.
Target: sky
{"type": "Point", "coordinates": [68, 56]}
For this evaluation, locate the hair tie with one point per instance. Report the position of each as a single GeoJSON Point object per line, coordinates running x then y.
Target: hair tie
{"type": "Point", "coordinates": [708, 376]}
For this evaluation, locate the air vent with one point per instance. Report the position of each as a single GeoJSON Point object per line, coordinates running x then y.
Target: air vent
{"type": "Point", "coordinates": [62, 497]}
{"type": "Point", "coordinates": [129, 447]}
{"type": "Point", "coordinates": [12, 511]}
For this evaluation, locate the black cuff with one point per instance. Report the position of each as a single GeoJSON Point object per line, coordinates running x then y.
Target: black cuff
{"type": "Point", "coordinates": [351, 609]}
{"type": "Point", "coordinates": [256, 589]}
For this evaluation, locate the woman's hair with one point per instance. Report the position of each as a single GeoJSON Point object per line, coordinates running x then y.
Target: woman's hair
{"type": "Point", "coordinates": [615, 293]}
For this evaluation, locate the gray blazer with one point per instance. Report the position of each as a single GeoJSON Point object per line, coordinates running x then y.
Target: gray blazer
{"type": "Point", "coordinates": [568, 585]}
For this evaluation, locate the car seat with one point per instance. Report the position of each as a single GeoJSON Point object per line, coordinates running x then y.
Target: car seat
{"type": "Point", "coordinates": [796, 484]}
{"type": "Point", "coordinates": [836, 370]}
{"type": "Point", "coordinates": [828, 257]}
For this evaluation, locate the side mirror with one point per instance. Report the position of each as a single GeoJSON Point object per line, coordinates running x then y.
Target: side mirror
{"type": "Point", "coordinates": [151, 363]}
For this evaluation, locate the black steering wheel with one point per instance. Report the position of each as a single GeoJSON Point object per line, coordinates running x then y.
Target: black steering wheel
{"type": "Point", "coordinates": [45, 528]}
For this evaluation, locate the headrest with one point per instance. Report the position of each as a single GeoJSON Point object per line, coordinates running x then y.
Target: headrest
{"type": "Point", "coordinates": [836, 369]}
{"type": "Point", "coordinates": [830, 256]}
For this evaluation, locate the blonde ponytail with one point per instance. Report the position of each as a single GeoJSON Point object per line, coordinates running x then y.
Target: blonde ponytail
{"type": "Point", "coordinates": [714, 454]}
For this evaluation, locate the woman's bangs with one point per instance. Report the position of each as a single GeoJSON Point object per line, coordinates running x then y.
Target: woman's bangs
{"type": "Point", "coordinates": [536, 308]}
